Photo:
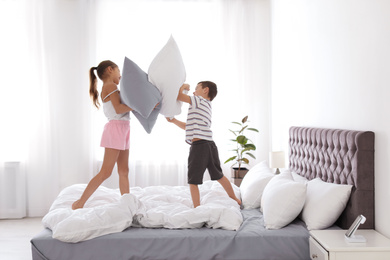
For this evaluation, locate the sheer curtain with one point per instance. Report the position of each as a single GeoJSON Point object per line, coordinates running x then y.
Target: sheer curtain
{"type": "Point", "coordinates": [46, 113]}
{"type": "Point", "coordinates": [51, 128]}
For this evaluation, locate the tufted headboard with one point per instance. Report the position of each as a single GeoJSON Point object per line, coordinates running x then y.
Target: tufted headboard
{"type": "Point", "coordinates": [342, 157]}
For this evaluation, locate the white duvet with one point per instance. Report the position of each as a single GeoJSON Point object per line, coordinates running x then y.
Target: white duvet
{"type": "Point", "coordinates": [154, 207]}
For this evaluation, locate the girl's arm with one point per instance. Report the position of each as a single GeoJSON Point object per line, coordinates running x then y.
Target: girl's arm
{"type": "Point", "coordinates": [179, 123]}
{"type": "Point", "coordinates": [119, 107]}
{"type": "Point", "coordinates": [184, 97]}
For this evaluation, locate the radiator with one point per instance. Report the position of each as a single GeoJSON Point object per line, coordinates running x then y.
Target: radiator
{"type": "Point", "coordinates": [12, 191]}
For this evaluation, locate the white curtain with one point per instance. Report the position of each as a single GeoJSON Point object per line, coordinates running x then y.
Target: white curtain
{"type": "Point", "coordinates": [49, 124]}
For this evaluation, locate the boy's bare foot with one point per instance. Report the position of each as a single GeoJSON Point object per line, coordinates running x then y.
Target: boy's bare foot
{"type": "Point", "coordinates": [77, 205]}
{"type": "Point", "coordinates": [238, 201]}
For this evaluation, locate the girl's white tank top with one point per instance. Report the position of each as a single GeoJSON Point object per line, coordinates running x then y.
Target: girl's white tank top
{"type": "Point", "coordinates": [109, 110]}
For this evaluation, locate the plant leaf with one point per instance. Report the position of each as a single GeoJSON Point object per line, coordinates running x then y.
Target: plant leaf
{"type": "Point", "coordinates": [245, 150]}
{"type": "Point", "coordinates": [230, 159]}
{"type": "Point", "coordinates": [242, 129]}
{"type": "Point", "coordinates": [251, 155]}
{"type": "Point", "coordinates": [241, 139]}
{"type": "Point", "coordinates": [250, 146]}
{"type": "Point", "coordinates": [253, 129]}
{"type": "Point", "coordinates": [245, 160]}
{"type": "Point", "coordinates": [244, 119]}
{"type": "Point", "coordinates": [234, 132]}
{"type": "Point", "coordinates": [236, 123]}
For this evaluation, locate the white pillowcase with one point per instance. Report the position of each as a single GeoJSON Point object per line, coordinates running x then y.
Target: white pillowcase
{"type": "Point", "coordinates": [253, 184]}
{"type": "Point", "coordinates": [299, 178]}
{"type": "Point", "coordinates": [167, 73]}
{"type": "Point", "coordinates": [282, 201]}
{"type": "Point", "coordinates": [324, 203]}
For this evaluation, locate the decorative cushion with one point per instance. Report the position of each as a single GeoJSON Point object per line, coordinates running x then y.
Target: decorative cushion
{"type": "Point", "coordinates": [253, 184]}
{"type": "Point", "coordinates": [324, 203]}
{"type": "Point", "coordinates": [167, 73]}
{"type": "Point", "coordinates": [139, 94]}
{"type": "Point", "coordinates": [282, 201]}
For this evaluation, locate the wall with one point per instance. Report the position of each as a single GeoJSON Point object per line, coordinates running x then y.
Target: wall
{"type": "Point", "coordinates": [330, 68]}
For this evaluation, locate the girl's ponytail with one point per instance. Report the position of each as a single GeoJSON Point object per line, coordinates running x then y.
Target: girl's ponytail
{"type": "Point", "coordinates": [93, 87]}
{"type": "Point", "coordinates": [100, 70]}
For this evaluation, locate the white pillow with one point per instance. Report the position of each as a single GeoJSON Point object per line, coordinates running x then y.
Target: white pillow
{"type": "Point", "coordinates": [299, 178]}
{"type": "Point", "coordinates": [253, 184]}
{"type": "Point", "coordinates": [324, 203]}
{"type": "Point", "coordinates": [167, 73]}
{"type": "Point", "coordinates": [282, 201]}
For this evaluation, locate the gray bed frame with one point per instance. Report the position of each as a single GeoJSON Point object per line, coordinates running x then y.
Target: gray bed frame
{"type": "Point", "coordinates": [336, 156]}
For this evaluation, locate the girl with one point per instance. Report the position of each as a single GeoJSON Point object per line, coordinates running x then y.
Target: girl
{"type": "Point", "coordinates": [116, 134]}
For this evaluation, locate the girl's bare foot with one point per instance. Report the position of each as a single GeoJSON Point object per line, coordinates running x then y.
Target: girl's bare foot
{"type": "Point", "coordinates": [238, 201]}
{"type": "Point", "coordinates": [77, 205]}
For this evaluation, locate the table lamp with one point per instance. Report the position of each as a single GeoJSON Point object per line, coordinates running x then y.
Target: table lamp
{"type": "Point", "coordinates": [276, 160]}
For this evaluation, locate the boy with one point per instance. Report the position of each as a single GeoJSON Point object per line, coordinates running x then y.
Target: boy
{"type": "Point", "coordinates": [203, 152]}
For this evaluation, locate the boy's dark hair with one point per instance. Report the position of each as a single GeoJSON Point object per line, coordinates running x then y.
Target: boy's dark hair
{"type": "Point", "coordinates": [212, 88]}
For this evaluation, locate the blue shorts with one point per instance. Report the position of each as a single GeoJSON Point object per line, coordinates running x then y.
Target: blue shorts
{"type": "Point", "coordinates": [203, 155]}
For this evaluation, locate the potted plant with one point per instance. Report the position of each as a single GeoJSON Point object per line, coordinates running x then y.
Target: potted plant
{"type": "Point", "coordinates": [244, 147]}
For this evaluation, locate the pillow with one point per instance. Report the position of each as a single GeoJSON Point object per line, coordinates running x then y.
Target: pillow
{"type": "Point", "coordinates": [299, 178]}
{"type": "Point", "coordinates": [324, 203]}
{"type": "Point", "coordinates": [136, 91]}
{"type": "Point", "coordinates": [167, 73]}
{"type": "Point", "coordinates": [139, 94]}
{"type": "Point", "coordinates": [253, 184]}
{"type": "Point", "coordinates": [282, 201]}
{"type": "Point", "coordinates": [148, 123]}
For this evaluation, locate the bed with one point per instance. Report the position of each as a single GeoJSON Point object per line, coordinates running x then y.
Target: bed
{"type": "Point", "coordinates": [334, 156]}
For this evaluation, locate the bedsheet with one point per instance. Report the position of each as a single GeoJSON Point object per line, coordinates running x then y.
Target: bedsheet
{"type": "Point", "coordinates": [169, 207]}
{"type": "Point", "coordinates": [250, 241]}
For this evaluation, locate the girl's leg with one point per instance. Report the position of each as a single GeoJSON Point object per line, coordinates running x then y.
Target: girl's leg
{"type": "Point", "coordinates": [123, 171]}
{"type": "Point", "coordinates": [228, 188]}
{"type": "Point", "coordinates": [110, 158]}
{"type": "Point", "coordinates": [194, 189]}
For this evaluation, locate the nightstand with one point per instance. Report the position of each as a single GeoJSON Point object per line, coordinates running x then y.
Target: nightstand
{"type": "Point", "coordinates": [331, 245]}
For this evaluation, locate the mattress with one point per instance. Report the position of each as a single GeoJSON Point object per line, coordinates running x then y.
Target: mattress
{"type": "Point", "coordinates": [250, 241]}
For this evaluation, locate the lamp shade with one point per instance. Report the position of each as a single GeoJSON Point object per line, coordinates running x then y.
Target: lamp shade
{"type": "Point", "coordinates": [276, 159]}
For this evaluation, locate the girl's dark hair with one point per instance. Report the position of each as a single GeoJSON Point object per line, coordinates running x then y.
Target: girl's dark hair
{"type": "Point", "coordinates": [212, 88]}
{"type": "Point", "coordinates": [100, 69]}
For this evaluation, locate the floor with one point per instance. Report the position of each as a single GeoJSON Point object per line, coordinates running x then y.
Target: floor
{"type": "Point", "coordinates": [15, 236]}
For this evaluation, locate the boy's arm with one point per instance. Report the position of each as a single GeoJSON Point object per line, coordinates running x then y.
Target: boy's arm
{"type": "Point", "coordinates": [179, 123]}
{"type": "Point", "coordinates": [184, 97]}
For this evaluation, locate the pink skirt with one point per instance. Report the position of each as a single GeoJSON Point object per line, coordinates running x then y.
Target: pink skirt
{"type": "Point", "coordinates": [116, 135]}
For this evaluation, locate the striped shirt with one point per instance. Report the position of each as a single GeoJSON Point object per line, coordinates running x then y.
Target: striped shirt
{"type": "Point", "coordinates": [199, 119]}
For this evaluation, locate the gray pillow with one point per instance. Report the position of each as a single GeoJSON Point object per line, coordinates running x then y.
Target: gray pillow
{"type": "Point", "coordinates": [149, 122]}
{"type": "Point", "coordinates": [139, 94]}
